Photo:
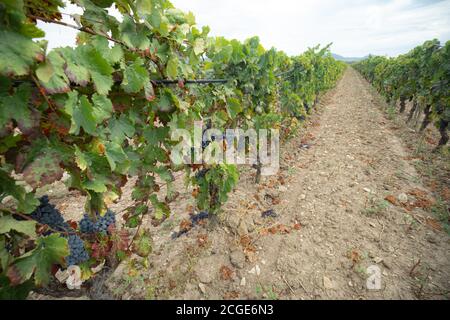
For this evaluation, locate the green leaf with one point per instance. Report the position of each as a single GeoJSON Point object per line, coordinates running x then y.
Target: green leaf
{"type": "Point", "coordinates": [135, 77]}
{"type": "Point", "coordinates": [82, 114]}
{"type": "Point", "coordinates": [172, 68]}
{"type": "Point", "coordinates": [16, 106]}
{"type": "Point", "coordinates": [144, 7]}
{"type": "Point", "coordinates": [120, 129]}
{"type": "Point", "coordinates": [8, 223]}
{"type": "Point", "coordinates": [143, 244]}
{"type": "Point", "coordinates": [115, 154]}
{"type": "Point", "coordinates": [103, 107]}
{"type": "Point", "coordinates": [18, 292]}
{"type": "Point", "coordinates": [4, 254]}
{"type": "Point", "coordinates": [161, 208]}
{"type": "Point", "coordinates": [77, 74]}
{"type": "Point", "coordinates": [233, 107]}
{"type": "Point", "coordinates": [81, 160]}
{"type": "Point", "coordinates": [190, 18]}
{"type": "Point", "coordinates": [49, 250]}
{"type": "Point", "coordinates": [51, 74]}
{"type": "Point", "coordinates": [199, 46]}
{"type": "Point", "coordinates": [8, 187]}
{"type": "Point", "coordinates": [99, 68]}
{"type": "Point", "coordinates": [17, 53]}
{"type": "Point", "coordinates": [95, 185]}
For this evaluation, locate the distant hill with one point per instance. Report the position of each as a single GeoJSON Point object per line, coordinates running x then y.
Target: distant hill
{"type": "Point", "coordinates": [348, 59]}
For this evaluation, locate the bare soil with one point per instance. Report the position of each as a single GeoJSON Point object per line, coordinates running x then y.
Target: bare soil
{"type": "Point", "coordinates": [348, 196]}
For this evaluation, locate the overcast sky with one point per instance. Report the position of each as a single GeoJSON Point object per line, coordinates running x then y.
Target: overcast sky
{"type": "Point", "coordinates": [356, 27]}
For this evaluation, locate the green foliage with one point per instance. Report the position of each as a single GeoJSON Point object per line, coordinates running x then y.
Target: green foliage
{"type": "Point", "coordinates": [422, 75]}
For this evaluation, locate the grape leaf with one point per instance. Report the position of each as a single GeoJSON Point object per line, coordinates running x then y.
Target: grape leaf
{"type": "Point", "coordinates": [44, 170]}
{"type": "Point", "coordinates": [81, 160]}
{"type": "Point", "coordinates": [95, 185]}
{"type": "Point", "coordinates": [51, 74]}
{"type": "Point", "coordinates": [99, 68]}
{"type": "Point", "coordinates": [199, 46]}
{"type": "Point", "coordinates": [8, 223]}
{"type": "Point", "coordinates": [172, 68]}
{"type": "Point", "coordinates": [18, 292]}
{"type": "Point", "coordinates": [115, 154]}
{"type": "Point", "coordinates": [16, 106]}
{"type": "Point", "coordinates": [135, 77]}
{"type": "Point", "coordinates": [17, 53]}
{"type": "Point", "coordinates": [26, 201]}
{"type": "Point", "coordinates": [103, 107]}
{"type": "Point", "coordinates": [4, 255]}
{"type": "Point", "coordinates": [120, 129]}
{"type": "Point", "coordinates": [82, 114]}
{"type": "Point", "coordinates": [143, 244]}
{"type": "Point", "coordinates": [49, 250]}
{"type": "Point", "coordinates": [233, 107]}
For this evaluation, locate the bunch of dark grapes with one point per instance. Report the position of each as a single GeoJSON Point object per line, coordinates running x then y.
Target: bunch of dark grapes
{"type": "Point", "coordinates": [78, 253]}
{"type": "Point", "coordinates": [101, 225]}
{"type": "Point", "coordinates": [196, 218]}
{"type": "Point", "coordinates": [86, 225]}
{"type": "Point", "coordinates": [46, 213]}
{"type": "Point", "coordinates": [201, 174]}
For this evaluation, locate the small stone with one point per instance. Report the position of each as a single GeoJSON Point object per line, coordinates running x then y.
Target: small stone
{"type": "Point", "coordinates": [303, 196]}
{"type": "Point", "coordinates": [242, 229]}
{"type": "Point", "coordinates": [202, 288]}
{"type": "Point", "coordinates": [350, 284]}
{"type": "Point", "coordinates": [237, 259]}
{"type": "Point", "coordinates": [252, 271]}
{"type": "Point", "coordinates": [282, 188]}
{"type": "Point", "coordinates": [403, 198]}
{"type": "Point", "coordinates": [243, 282]}
{"type": "Point", "coordinates": [367, 190]}
{"type": "Point", "coordinates": [386, 264]}
{"type": "Point", "coordinates": [431, 239]}
{"type": "Point", "coordinates": [258, 270]}
{"type": "Point", "coordinates": [327, 283]}
{"type": "Point", "coordinates": [233, 221]}
{"type": "Point", "coordinates": [378, 260]}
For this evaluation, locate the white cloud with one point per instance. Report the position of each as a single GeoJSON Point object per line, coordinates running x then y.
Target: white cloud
{"type": "Point", "coordinates": [356, 27]}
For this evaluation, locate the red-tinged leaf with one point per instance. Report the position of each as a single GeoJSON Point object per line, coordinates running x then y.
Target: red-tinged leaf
{"type": "Point", "coordinates": [44, 170]}
{"type": "Point", "coordinates": [226, 273]}
{"type": "Point", "coordinates": [14, 276]}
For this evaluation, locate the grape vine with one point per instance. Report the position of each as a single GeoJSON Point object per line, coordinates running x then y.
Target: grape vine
{"type": "Point", "coordinates": [421, 76]}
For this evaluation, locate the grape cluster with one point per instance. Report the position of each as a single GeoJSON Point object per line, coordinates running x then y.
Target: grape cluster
{"type": "Point", "coordinates": [101, 225]}
{"type": "Point", "coordinates": [201, 174]}
{"type": "Point", "coordinates": [46, 213]}
{"type": "Point", "coordinates": [86, 225]}
{"type": "Point", "coordinates": [78, 253]}
{"type": "Point", "coordinates": [195, 219]}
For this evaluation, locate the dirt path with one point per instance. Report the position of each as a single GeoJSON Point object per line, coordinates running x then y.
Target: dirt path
{"type": "Point", "coordinates": [334, 193]}
{"type": "Point", "coordinates": [355, 162]}
{"type": "Point", "coordinates": [332, 222]}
